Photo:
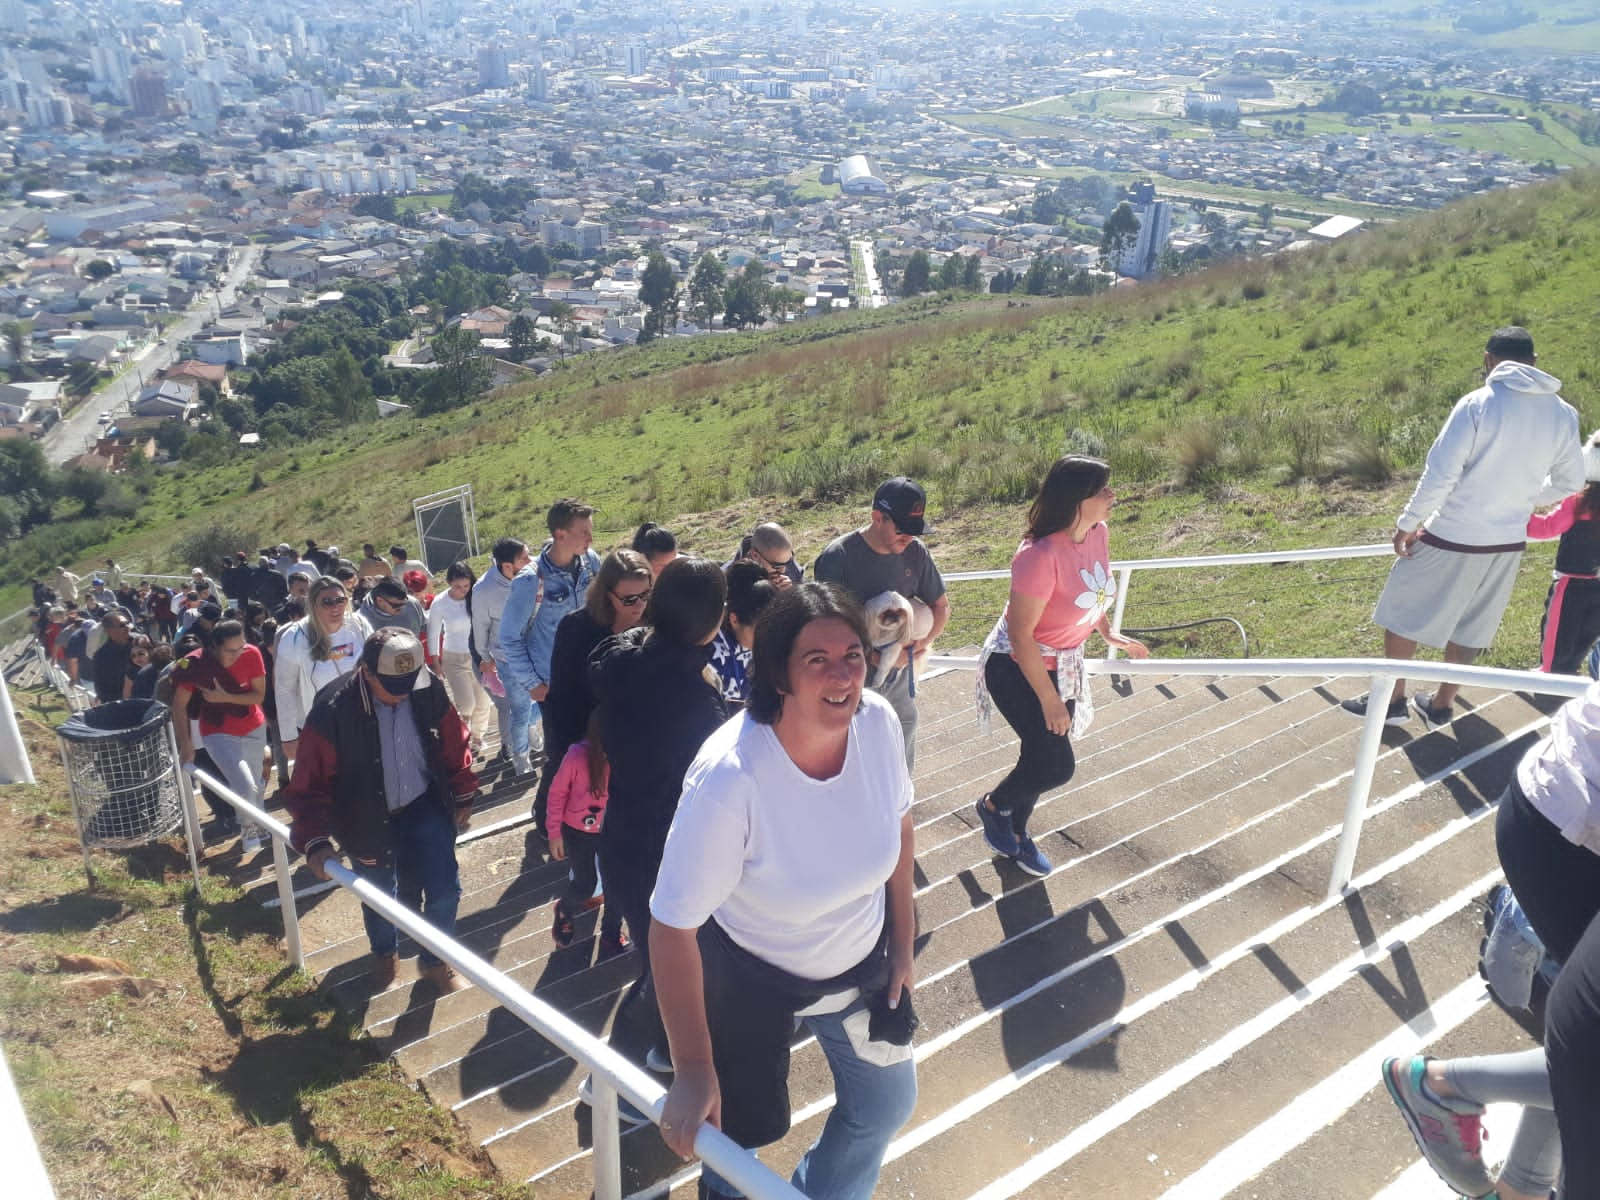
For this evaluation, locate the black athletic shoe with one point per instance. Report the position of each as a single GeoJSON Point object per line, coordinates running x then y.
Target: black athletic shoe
{"type": "Point", "coordinates": [1398, 714]}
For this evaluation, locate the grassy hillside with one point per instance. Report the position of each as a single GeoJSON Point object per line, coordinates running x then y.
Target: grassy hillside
{"type": "Point", "coordinates": [1271, 404]}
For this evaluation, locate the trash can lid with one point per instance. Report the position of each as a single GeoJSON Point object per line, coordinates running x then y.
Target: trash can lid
{"type": "Point", "coordinates": [118, 721]}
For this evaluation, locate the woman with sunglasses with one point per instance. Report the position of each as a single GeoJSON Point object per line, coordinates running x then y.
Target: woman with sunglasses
{"type": "Point", "coordinates": [321, 646]}
{"type": "Point", "coordinates": [614, 603]}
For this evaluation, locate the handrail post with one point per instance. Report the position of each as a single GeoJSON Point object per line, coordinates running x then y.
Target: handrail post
{"type": "Point", "coordinates": [607, 1135]}
{"type": "Point", "coordinates": [291, 915]}
{"type": "Point", "coordinates": [1124, 578]}
{"type": "Point", "coordinates": [1355, 805]}
{"type": "Point", "coordinates": [191, 815]}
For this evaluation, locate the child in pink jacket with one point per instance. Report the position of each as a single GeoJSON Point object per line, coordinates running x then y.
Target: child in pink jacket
{"type": "Point", "coordinates": [576, 813]}
{"type": "Point", "coordinates": [1572, 610]}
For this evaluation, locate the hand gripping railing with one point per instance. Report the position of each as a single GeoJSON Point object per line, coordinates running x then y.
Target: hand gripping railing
{"type": "Point", "coordinates": [612, 1075]}
{"type": "Point", "coordinates": [1381, 673]}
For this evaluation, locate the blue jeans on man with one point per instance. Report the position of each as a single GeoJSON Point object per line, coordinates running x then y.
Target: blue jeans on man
{"type": "Point", "coordinates": [522, 712]}
{"type": "Point", "coordinates": [422, 874]}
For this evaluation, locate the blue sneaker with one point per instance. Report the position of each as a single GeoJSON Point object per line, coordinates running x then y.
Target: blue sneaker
{"type": "Point", "coordinates": [997, 829]}
{"type": "Point", "coordinates": [1030, 858]}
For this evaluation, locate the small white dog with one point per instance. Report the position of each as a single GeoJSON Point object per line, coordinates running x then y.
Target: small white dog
{"type": "Point", "coordinates": [894, 623]}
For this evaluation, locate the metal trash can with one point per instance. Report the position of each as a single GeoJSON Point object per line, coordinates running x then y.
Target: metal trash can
{"type": "Point", "coordinates": [122, 764]}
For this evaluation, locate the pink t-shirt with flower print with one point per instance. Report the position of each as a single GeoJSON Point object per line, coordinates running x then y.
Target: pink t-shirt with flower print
{"type": "Point", "coordinates": [1073, 578]}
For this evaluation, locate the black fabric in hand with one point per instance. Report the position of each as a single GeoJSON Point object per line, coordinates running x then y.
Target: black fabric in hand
{"type": "Point", "coordinates": [893, 1025]}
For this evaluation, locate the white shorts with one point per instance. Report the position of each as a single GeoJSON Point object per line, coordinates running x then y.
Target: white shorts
{"type": "Point", "coordinates": [1437, 596]}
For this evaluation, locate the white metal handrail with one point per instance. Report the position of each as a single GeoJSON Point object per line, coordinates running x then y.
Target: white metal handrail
{"type": "Point", "coordinates": [25, 1174]}
{"type": "Point", "coordinates": [1381, 674]}
{"type": "Point", "coordinates": [611, 1074]}
{"type": "Point", "coordinates": [1123, 569]}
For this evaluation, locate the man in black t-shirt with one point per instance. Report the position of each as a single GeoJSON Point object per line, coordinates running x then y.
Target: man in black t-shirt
{"type": "Point", "coordinates": [887, 555]}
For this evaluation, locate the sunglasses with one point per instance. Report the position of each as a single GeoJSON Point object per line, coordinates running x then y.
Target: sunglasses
{"type": "Point", "coordinates": [772, 564]}
{"type": "Point", "coordinates": [331, 602]}
{"type": "Point", "coordinates": [631, 601]}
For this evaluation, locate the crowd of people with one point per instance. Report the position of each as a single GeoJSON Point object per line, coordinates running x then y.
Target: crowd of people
{"type": "Point", "coordinates": [703, 731]}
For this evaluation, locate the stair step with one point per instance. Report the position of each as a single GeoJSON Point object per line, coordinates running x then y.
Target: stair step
{"type": "Point", "coordinates": [1122, 1024]}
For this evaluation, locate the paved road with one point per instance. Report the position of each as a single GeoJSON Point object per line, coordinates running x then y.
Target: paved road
{"type": "Point", "coordinates": [870, 287]}
{"type": "Point", "coordinates": [78, 432]}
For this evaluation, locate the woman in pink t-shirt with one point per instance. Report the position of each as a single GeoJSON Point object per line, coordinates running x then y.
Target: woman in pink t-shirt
{"type": "Point", "coordinates": [1032, 664]}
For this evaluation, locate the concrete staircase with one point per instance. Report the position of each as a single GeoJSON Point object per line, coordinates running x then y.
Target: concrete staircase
{"type": "Point", "coordinates": [1176, 1011]}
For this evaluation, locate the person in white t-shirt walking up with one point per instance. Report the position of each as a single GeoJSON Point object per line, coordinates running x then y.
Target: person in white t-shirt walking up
{"type": "Point", "coordinates": [1505, 449]}
{"type": "Point", "coordinates": [1031, 667]}
{"type": "Point", "coordinates": [763, 915]}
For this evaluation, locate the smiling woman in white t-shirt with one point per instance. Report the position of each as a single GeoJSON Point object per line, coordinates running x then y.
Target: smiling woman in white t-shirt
{"type": "Point", "coordinates": [785, 891]}
{"type": "Point", "coordinates": [1062, 590]}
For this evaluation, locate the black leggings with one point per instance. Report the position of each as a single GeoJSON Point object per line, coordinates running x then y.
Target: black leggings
{"type": "Point", "coordinates": [637, 1025]}
{"type": "Point", "coordinates": [583, 872]}
{"type": "Point", "coordinates": [1558, 885]}
{"type": "Point", "coordinates": [1045, 760]}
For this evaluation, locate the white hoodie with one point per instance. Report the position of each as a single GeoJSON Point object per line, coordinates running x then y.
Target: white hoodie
{"type": "Point", "coordinates": [1505, 449]}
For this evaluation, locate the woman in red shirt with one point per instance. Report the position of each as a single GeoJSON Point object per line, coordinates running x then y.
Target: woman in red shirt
{"type": "Point", "coordinates": [1032, 663]}
{"type": "Point", "coordinates": [229, 682]}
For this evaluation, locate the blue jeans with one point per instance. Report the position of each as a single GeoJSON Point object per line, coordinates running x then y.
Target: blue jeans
{"type": "Point", "coordinates": [422, 875]}
{"type": "Point", "coordinates": [871, 1104]}
{"type": "Point", "coordinates": [523, 713]}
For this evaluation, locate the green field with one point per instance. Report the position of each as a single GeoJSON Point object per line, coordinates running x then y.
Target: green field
{"type": "Point", "coordinates": [422, 201]}
{"type": "Point", "coordinates": [1268, 404]}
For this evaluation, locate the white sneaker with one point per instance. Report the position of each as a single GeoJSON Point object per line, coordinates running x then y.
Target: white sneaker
{"type": "Point", "coordinates": [522, 764]}
{"type": "Point", "coordinates": [251, 840]}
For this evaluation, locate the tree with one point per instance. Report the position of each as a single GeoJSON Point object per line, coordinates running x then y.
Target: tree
{"type": "Point", "coordinates": [561, 159]}
{"type": "Point", "coordinates": [98, 269]}
{"type": "Point", "coordinates": [915, 280]}
{"type": "Point", "coordinates": [950, 273]}
{"type": "Point", "coordinates": [971, 273]}
{"type": "Point", "coordinates": [1265, 214]}
{"type": "Point", "coordinates": [81, 378]}
{"type": "Point", "coordinates": [782, 301]}
{"type": "Point", "coordinates": [464, 372]}
{"type": "Point", "coordinates": [745, 297]}
{"type": "Point", "coordinates": [1121, 231]}
{"type": "Point", "coordinates": [658, 292]}
{"type": "Point", "coordinates": [705, 289]}
{"type": "Point", "coordinates": [561, 316]}
{"type": "Point", "coordinates": [523, 336]}
{"type": "Point", "coordinates": [17, 335]}
{"type": "Point", "coordinates": [378, 205]}
{"type": "Point", "coordinates": [348, 389]}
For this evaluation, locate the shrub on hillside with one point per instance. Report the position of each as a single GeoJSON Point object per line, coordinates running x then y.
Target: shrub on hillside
{"type": "Point", "coordinates": [1198, 454]}
{"type": "Point", "coordinates": [1362, 458]}
{"type": "Point", "coordinates": [204, 547]}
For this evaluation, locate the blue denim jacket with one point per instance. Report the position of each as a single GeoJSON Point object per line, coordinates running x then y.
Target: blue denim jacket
{"type": "Point", "coordinates": [541, 594]}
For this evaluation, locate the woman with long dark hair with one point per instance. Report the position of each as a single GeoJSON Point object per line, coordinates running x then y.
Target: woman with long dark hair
{"type": "Point", "coordinates": [658, 702]}
{"type": "Point", "coordinates": [1032, 668]}
{"type": "Point", "coordinates": [768, 913]}
{"type": "Point", "coordinates": [614, 603]}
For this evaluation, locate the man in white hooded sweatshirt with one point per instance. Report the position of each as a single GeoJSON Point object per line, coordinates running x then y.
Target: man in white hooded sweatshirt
{"type": "Point", "coordinates": [1505, 449]}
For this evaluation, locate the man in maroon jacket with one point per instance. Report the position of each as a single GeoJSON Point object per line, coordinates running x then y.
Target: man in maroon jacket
{"type": "Point", "coordinates": [384, 769]}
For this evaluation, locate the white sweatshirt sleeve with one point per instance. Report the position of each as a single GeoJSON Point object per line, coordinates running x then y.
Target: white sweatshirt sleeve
{"type": "Point", "coordinates": [1447, 458]}
{"type": "Point", "coordinates": [287, 672]}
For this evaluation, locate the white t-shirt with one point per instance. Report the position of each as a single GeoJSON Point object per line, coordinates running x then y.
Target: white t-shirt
{"type": "Point", "coordinates": [793, 868]}
{"type": "Point", "coordinates": [450, 615]}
